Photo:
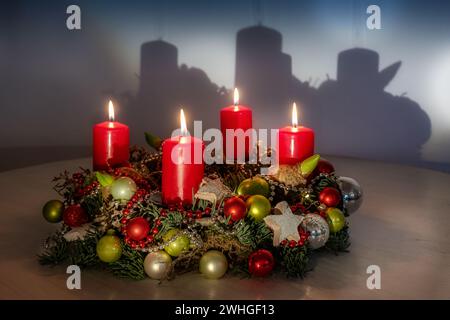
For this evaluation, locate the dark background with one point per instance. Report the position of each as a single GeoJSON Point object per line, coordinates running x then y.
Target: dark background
{"type": "Point", "coordinates": [388, 100]}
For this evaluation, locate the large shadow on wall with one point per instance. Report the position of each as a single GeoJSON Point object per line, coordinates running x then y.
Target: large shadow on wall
{"type": "Point", "coordinates": [352, 115]}
{"type": "Point", "coordinates": [165, 87]}
{"type": "Point", "coordinates": [357, 117]}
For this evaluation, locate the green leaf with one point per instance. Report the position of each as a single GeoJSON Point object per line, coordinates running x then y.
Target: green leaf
{"type": "Point", "coordinates": [104, 178]}
{"type": "Point", "coordinates": [308, 165]}
{"type": "Point", "coordinates": [152, 140]}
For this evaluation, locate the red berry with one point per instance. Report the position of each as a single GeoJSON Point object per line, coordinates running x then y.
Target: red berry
{"type": "Point", "coordinates": [123, 220]}
{"type": "Point", "coordinates": [292, 243]}
{"type": "Point", "coordinates": [208, 210]}
{"type": "Point", "coordinates": [150, 238]}
{"type": "Point", "coordinates": [284, 242]}
{"type": "Point", "coordinates": [155, 230]}
{"type": "Point", "coordinates": [198, 215]}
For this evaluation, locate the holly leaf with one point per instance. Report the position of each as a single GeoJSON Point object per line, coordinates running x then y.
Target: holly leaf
{"type": "Point", "coordinates": [104, 179]}
{"type": "Point", "coordinates": [152, 140]}
{"type": "Point", "coordinates": [308, 165]}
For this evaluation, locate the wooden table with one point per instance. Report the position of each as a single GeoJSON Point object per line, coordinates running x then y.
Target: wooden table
{"type": "Point", "coordinates": [403, 227]}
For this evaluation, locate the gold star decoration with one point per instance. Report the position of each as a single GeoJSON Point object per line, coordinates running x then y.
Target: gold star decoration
{"type": "Point", "coordinates": [284, 225]}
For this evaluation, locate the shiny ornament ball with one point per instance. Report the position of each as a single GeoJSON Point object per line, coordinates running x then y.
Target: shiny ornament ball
{"type": "Point", "coordinates": [235, 208]}
{"type": "Point", "coordinates": [336, 219]}
{"type": "Point", "coordinates": [157, 264]}
{"type": "Point", "coordinates": [352, 194]}
{"type": "Point", "coordinates": [53, 211]}
{"type": "Point", "coordinates": [258, 207]}
{"type": "Point", "coordinates": [330, 197]}
{"type": "Point", "coordinates": [138, 228]}
{"type": "Point", "coordinates": [213, 264]}
{"type": "Point", "coordinates": [318, 230]}
{"type": "Point", "coordinates": [324, 166]}
{"type": "Point", "coordinates": [75, 216]}
{"type": "Point", "coordinates": [180, 244]}
{"type": "Point", "coordinates": [253, 186]}
{"type": "Point", "coordinates": [123, 188]}
{"type": "Point", "coordinates": [261, 263]}
{"type": "Point", "coordinates": [109, 248]}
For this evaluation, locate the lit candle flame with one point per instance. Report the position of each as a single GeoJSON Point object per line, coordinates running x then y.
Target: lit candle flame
{"type": "Point", "coordinates": [183, 127]}
{"type": "Point", "coordinates": [236, 99]}
{"type": "Point", "coordinates": [294, 115]}
{"type": "Point", "coordinates": [111, 111]}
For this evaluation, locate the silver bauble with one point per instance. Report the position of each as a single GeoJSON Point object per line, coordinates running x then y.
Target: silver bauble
{"type": "Point", "coordinates": [318, 229]}
{"type": "Point", "coordinates": [157, 264]}
{"type": "Point", "coordinates": [352, 194]}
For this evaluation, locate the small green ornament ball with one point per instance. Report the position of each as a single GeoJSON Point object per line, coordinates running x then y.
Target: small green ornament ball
{"type": "Point", "coordinates": [109, 248]}
{"type": "Point", "coordinates": [123, 188]}
{"type": "Point", "coordinates": [253, 186]}
{"type": "Point", "coordinates": [336, 219]}
{"type": "Point", "coordinates": [258, 207]}
{"type": "Point", "coordinates": [53, 211]}
{"type": "Point", "coordinates": [176, 247]}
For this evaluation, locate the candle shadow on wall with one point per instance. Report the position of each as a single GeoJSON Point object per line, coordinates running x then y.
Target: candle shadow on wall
{"type": "Point", "coordinates": [357, 117]}
{"type": "Point", "coordinates": [352, 115]}
{"type": "Point", "coordinates": [165, 87]}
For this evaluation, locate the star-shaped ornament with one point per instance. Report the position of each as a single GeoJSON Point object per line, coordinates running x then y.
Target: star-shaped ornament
{"type": "Point", "coordinates": [284, 225]}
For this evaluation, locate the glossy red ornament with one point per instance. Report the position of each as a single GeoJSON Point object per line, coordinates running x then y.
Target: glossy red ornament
{"type": "Point", "coordinates": [261, 263]}
{"type": "Point", "coordinates": [75, 216]}
{"type": "Point", "coordinates": [330, 197]}
{"type": "Point", "coordinates": [138, 228]}
{"type": "Point", "coordinates": [235, 208]}
{"type": "Point", "coordinates": [324, 166]}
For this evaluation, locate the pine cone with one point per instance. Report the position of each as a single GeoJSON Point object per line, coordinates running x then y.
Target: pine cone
{"type": "Point", "coordinates": [290, 175]}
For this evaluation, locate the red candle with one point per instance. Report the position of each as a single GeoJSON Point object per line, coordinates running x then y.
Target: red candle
{"type": "Point", "coordinates": [236, 117]}
{"type": "Point", "coordinates": [182, 166]}
{"type": "Point", "coordinates": [295, 143]}
{"type": "Point", "coordinates": [111, 143]}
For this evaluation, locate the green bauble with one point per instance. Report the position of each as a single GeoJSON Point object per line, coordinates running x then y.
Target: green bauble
{"type": "Point", "coordinates": [213, 264]}
{"type": "Point", "coordinates": [180, 244]}
{"type": "Point", "coordinates": [253, 186]}
{"type": "Point", "coordinates": [308, 165]}
{"type": "Point", "coordinates": [53, 211]}
{"type": "Point", "coordinates": [258, 207]}
{"type": "Point", "coordinates": [109, 248]}
{"type": "Point", "coordinates": [336, 219]}
{"type": "Point", "coordinates": [123, 188]}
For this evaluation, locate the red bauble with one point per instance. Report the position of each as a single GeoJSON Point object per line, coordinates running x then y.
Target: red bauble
{"type": "Point", "coordinates": [324, 166]}
{"type": "Point", "coordinates": [138, 228]}
{"type": "Point", "coordinates": [261, 263]}
{"type": "Point", "coordinates": [235, 208]}
{"type": "Point", "coordinates": [75, 216]}
{"type": "Point", "coordinates": [330, 197]}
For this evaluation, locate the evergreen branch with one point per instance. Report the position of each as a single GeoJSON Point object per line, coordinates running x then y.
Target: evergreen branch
{"type": "Point", "coordinates": [294, 261]}
{"type": "Point", "coordinates": [130, 265]}
{"type": "Point", "coordinates": [252, 233]}
{"type": "Point", "coordinates": [56, 252]}
{"type": "Point", "coordinates": [339, 242]}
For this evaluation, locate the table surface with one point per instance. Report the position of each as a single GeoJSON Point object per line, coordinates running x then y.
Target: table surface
{"type": "Point", "coordinates": [403, 227]}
